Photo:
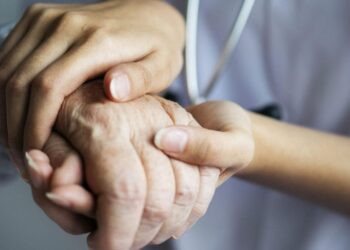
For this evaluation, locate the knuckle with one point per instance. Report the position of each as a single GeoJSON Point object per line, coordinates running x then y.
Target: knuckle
{"type": "Point", "coordinates": [46, 14]}
{"type": "Point", "coordinates": [44, 84]}
{"type": "Point", "coordinates": [93, 122]}
{"type": "Point", "coordinates": [156, 213]}
{"type": "Point", "coordinates": [102, 36]}
{"type": "Point", "coordinates": [99, 118]}
{"type": "Point", "coordinates": [185, 195]}
{"type": "Point", "coordinates": [74, 18]}
{"type": "Point", "coordinates": [35, 8]}
{"type": "Point", "coordinates": [128, 191]}
{"type": "Point", "coordinates": [94, 111]}
{"type": "Point", "coordinates": [14, 87]}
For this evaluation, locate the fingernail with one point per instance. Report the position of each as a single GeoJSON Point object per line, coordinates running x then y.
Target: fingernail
{"type": "Point", "coordinates": [172, 140]}
{"type": "Point", "coordinates": [57, 199]}
{"type": "Point", "coordinates": [120, 87]}
{"type": "Point", "coordinates": [34, 178]}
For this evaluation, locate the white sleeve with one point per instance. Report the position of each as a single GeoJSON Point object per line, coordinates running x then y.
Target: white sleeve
{"type": "Point", "coordinates": [7, 170]}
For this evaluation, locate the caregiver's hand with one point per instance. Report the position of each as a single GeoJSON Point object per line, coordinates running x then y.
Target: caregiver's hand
{"type": "Point", "coordinates": [225, 141]}
{"type": "Point", "coordinates": [55, 48]}
{"type": "Point", "coordinates": [142, 195]}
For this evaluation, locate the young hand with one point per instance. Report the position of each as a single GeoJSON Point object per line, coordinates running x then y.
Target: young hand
{"type": "Point", "coordinates": [225, 139]}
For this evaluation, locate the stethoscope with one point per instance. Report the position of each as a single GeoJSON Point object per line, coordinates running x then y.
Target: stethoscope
{"type": "Point", "coordinates": [194, 93]}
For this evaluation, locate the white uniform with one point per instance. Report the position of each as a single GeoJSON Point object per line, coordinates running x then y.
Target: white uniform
{"type": "Point", "coordinates": [295, 53]}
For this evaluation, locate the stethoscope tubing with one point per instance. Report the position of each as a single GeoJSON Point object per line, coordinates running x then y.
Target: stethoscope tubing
{"type": "Point", "coordinates": [191, 60]}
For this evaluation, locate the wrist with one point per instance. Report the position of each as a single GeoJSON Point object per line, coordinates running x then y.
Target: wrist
{"type": "Point", "coordinates": [262, 154]}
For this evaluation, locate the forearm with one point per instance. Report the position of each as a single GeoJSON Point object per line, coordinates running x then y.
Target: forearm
{"type": "Point", "coordinates": [303, 162]}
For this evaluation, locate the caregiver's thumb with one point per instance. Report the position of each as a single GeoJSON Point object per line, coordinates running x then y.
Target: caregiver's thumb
{"type": "Point", "coordinates": [205, 147]}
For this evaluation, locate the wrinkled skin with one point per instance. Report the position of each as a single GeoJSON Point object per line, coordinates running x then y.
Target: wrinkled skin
{"type": "Point", "coordinates": [55, 48]}
{"type": "Point", "coordinates": [141, 194]}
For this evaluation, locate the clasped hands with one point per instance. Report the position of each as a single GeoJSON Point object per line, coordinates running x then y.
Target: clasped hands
{"type": "Point", "coordinates": [111, 168]}
{"type": "Point", "coordinates": [130, 173]}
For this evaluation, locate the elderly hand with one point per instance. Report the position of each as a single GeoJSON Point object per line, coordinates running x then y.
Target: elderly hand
{"type": "Point", "coordinates": [56, 48]}
{"type": "Point", "coordinates": [142, 195]}
{"type": "Point", "coordinates": [60, 168]}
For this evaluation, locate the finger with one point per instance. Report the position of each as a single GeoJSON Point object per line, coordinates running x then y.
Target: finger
{"type": "Point", "coordinates": [12, 39]}
{"type": "Point", "coordinates": [16, 101]}
{"type": "Point", "coordinates": [24, 47]}
{"type": "Point", "coordinates": [160, 195]}
{"type": "Point", "coordinates": [22, 72]}
{"type": "Point", "coordinates": [151, 74]}
{"type": "Point", "coordinates": [73, 198]}
{"type": "Point", "coordinates": [17, 33]}
{"type": "Point", "coordinates": [70, 172]}
{"type": "Point", "coordinates": [121, 196]}
{"type": "Point", "coordinates": [65, 161]}
{"type": "Point", "coordinates": [206, 147]}
{"type": "Point", "coordinates": [64, 76]}
{"type": "Point", "coordinates": [58, 156]}
{"type": "Point", "coordinates": [67, 220]}
{"type": "Point", "coordinates": [208, 182]}
{"type": "Point", "coordinates": [29, 18]}
{"type": "Point", "coordinates": [39, 169]}
{"type": "Point", "coordinates": [187, 188]}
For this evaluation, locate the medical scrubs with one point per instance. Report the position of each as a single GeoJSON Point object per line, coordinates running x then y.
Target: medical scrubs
{"type": "Point", "coordinates": [295, 54]}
